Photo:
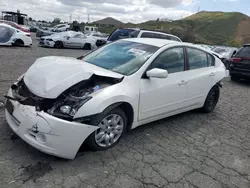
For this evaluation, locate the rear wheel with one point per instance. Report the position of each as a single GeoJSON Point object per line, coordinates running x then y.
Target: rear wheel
{"type": "Point", "coordinates": [211, 100]}
{"type": "Point", "coordinates": [112, 125]}
{"type": "Point", "coordinates": [19, 42]}
{"type": "Point", "coordinates": [58, 44]}
{"type": "Point", "coordinates": [87, 46]}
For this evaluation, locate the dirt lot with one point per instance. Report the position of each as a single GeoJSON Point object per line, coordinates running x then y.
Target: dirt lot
{"type": "Point", "coordinates": [184, 151]}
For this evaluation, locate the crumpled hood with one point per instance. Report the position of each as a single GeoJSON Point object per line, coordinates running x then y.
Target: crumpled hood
{"type": "Point", "coordinates": [49, 76]}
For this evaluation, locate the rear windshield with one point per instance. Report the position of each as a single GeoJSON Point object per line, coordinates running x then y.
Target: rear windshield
{"type": "Point", "coordinates": [120, 34]}
{"type": "Point", "coordinates": [243, 52]}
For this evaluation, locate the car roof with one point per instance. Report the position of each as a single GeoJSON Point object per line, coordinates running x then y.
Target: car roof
{"type": "Point", "coordinates": [163, 42]}
{"type": "Point", "coordinates": [153, 41]}
{"type": "Point", "coordinates": [6, 25]}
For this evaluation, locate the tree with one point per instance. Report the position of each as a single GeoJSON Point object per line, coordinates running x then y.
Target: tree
{"type": "Point", "coordinates": [30, 19]}
{"type": "Point", "coordinates": [56, 20]}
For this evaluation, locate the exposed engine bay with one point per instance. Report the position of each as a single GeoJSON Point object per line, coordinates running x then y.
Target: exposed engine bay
{"type": "Point", "coordinates": [67, 104]}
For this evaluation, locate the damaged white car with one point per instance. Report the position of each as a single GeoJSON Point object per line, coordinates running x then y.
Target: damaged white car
{"type": "Point", "coordinates": [62, 102]}
{"type": "Point", "coordinates": [69, 39]}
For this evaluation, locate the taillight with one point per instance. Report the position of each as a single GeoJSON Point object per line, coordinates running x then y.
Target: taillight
{"type": "Point", "coordinates": [236, 60]}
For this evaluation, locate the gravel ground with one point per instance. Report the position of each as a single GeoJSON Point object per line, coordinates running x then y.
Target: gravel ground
{"type": "Point", "coordinates": [186, 151]}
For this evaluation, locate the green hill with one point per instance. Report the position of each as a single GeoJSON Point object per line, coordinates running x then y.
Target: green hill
{"type": "Point", "coordinates": [221, 28]}
{"type": "Point", "coordinates": [217, 27]}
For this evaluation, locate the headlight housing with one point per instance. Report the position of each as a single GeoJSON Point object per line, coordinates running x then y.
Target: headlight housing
{"type": "Point", "coordinates": [69, 106]}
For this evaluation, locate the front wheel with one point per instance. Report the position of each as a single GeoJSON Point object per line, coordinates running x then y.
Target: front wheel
{"type": "Point", "coordinates": [211, 100]}
{"type": "Point", "coordinates": [58, 44]}
{"type": "Point", "coordinates": [112, 125]}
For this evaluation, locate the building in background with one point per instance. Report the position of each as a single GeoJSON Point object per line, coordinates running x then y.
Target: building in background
{"type": "Point", "coordinates": [16, 17]}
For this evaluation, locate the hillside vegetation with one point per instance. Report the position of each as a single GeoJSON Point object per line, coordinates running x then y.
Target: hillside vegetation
{"type": "Point", "coordinates": [219, 28]}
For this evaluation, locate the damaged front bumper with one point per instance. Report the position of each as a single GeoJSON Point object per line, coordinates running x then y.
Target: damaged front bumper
{"type": "Point", "coordinates": [44, 132]}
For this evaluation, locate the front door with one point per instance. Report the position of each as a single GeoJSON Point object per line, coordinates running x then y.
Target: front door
{"type": "Point", "coordinates": [162, 96]}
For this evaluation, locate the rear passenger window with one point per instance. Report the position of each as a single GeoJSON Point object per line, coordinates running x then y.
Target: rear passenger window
{"type": "Point", "coordinates": [197, 59]}
{"type": "Point", "coordinates": [148, 35]}
{"type": "Point", "coordinates": [210, 60]}
{"type": "Point", "coordinates": [171, 60]}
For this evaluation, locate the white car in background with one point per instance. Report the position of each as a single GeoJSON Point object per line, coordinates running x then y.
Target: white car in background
{"type": "Point", "coordinates": [100, 38]}
{"type": "Point", "coordinates": [10, 36]}
{"type": "Point", "coordinates": [62, 102]}
{"type": "Point", "coordinates": [139, 33]}
{"type": "Point", "coordinates": [68, 39]}
{"type": "Point", "coordinates": [60, 28]}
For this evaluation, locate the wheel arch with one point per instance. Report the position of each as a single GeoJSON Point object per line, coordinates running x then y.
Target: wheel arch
{"type": "Point", "coordinates": [125, 106]}
{"type": "Point", "coordinates": [18, 39]}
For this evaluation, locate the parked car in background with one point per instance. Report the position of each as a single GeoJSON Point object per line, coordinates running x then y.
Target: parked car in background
{"type": "Point", "coordinates": [69, 39]}
{"type": "Point", "coordinates": [15, 25]}
{"type": "Point", "coordinates": [101, 39]}
{"type": "Point", "coordinates": [33, 29]}
{"type": "Point", "coordinates": [10, 36]}
{"type": "Point", "coordinates": [53, 30]}
{"type": "Point", "coordinates": [62, 102]}
{"type": "Point", "coordinates": [139, 33]}
{"type": "Point", "coordinates": [60, 28]}
{"type": "Point", "coordinates": [226, 54]}
{"type": "Point", "coordinates": [240, 64]}
{"type": "Point", "coordinates": [43, 33]}
{"type": "Point", "coordinates": [207, 47]}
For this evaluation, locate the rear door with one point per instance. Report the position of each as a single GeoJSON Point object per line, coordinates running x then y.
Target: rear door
{"type": "Point", "coordinates": [200, 73]}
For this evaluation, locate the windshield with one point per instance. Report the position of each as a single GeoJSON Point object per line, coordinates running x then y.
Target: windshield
{"type": "Point", "coordinates": [124, 57]}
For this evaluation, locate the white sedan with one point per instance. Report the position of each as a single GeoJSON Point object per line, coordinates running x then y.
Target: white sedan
{"type": "Point", "coordinates": [62, 102]}
{"type": "Point", "coordinates": [10, 36]}
{"type": "Point", "coordinates": [68, 39]}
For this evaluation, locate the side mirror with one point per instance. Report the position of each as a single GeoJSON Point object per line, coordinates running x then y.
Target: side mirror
{"type": "Point", "coordinates": [68, 38]}
{"type": "Point", "coordinates": [157, 73]}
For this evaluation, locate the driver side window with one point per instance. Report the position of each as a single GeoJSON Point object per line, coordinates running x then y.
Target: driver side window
{"type": "Point", "coordinates": [171, 60]}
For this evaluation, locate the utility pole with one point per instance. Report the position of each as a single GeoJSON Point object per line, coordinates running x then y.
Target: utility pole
{"type": "Point", "coordinates": [70, 17]}
{"type": "Point", "coordinates": [88, 18]}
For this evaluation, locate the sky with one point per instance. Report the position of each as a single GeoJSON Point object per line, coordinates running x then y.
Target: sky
{"type": "Point", "coordinates": [135, 11]}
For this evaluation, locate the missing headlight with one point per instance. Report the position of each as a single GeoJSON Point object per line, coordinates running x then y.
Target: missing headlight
{"type": "Point", "coordinates": [70, 101]}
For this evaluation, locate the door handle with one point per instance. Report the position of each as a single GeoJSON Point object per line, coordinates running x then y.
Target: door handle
{"type": "Point", "coordinates": [212, 74]}
{"type": "Point", "coordinates": [183, 82]}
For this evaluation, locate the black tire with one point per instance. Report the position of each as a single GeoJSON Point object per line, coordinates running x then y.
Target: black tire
{"type": "Point", "coordinates": [211, 100]}
{"type": "Point", "coordinates": [58, 44]}
{"type": "Point", "coordinates": [87, 46]}
{"type": "Point", "coordinates": [91, 141]}
{"type": "Point", "coordinates": [19, 42]}
{"type": "Point", "coordinates": [235, 78]}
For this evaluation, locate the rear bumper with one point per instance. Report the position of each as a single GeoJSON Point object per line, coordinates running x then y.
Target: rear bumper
{"type": "Point", "coordinates": [240, 74]}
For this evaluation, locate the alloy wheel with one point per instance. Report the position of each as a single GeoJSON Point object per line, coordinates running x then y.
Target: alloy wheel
{"type": "Point", "coordinates": [110, 130]}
